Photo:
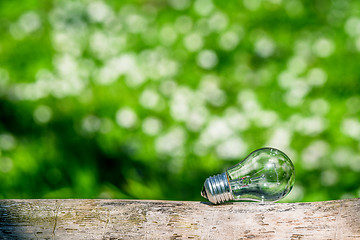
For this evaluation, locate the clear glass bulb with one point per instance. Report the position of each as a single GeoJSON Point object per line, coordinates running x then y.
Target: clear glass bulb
{"type": "Point", "coordinates": [267, 174]}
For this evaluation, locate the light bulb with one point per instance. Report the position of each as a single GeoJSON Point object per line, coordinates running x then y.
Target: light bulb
{"type": "Point", "coordinates": [267, 174]}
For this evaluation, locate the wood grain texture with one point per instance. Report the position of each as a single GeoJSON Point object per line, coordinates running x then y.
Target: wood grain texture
{"type": "Point", "coordinates": [140, 219]}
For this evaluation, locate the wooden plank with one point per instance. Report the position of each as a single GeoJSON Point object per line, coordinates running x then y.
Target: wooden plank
{"type": "Point", "coordinates": [140, 219]}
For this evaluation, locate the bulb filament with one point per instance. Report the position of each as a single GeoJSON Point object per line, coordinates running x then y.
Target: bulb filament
{"type": "Point", "coordinates": [246, 181]}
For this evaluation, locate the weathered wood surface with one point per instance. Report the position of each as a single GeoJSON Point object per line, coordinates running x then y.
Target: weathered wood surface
{"type": "Point", "coordinates": [139, 219]}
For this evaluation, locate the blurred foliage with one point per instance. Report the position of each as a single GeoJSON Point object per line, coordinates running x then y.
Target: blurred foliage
{"type": "Point", "coordinates": [145, 99]}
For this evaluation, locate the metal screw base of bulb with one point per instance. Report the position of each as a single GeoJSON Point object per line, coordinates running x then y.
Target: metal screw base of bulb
{"type": "Point", "coordinates": [217, 189]}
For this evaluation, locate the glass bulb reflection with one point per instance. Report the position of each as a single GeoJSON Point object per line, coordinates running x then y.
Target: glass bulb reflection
{"type": "Point", "coordinates": [267, 174]}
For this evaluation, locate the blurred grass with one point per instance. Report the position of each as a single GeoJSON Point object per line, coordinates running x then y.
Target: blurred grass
{"type": "Point", "coordinates": [146, 99]}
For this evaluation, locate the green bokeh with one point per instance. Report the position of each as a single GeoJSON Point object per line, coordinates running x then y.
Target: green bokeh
{"type": "Point", "coordinates": [145, 99]}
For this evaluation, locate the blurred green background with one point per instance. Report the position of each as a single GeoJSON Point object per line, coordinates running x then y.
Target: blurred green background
{"type": "Point", "coordinates": [146, 99]}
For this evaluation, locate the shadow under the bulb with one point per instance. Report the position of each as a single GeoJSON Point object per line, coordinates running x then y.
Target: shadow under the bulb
{"type": "Point", "coordinates": [213, 204]}
{"type": "Point", "coordinates": [234, 202]}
